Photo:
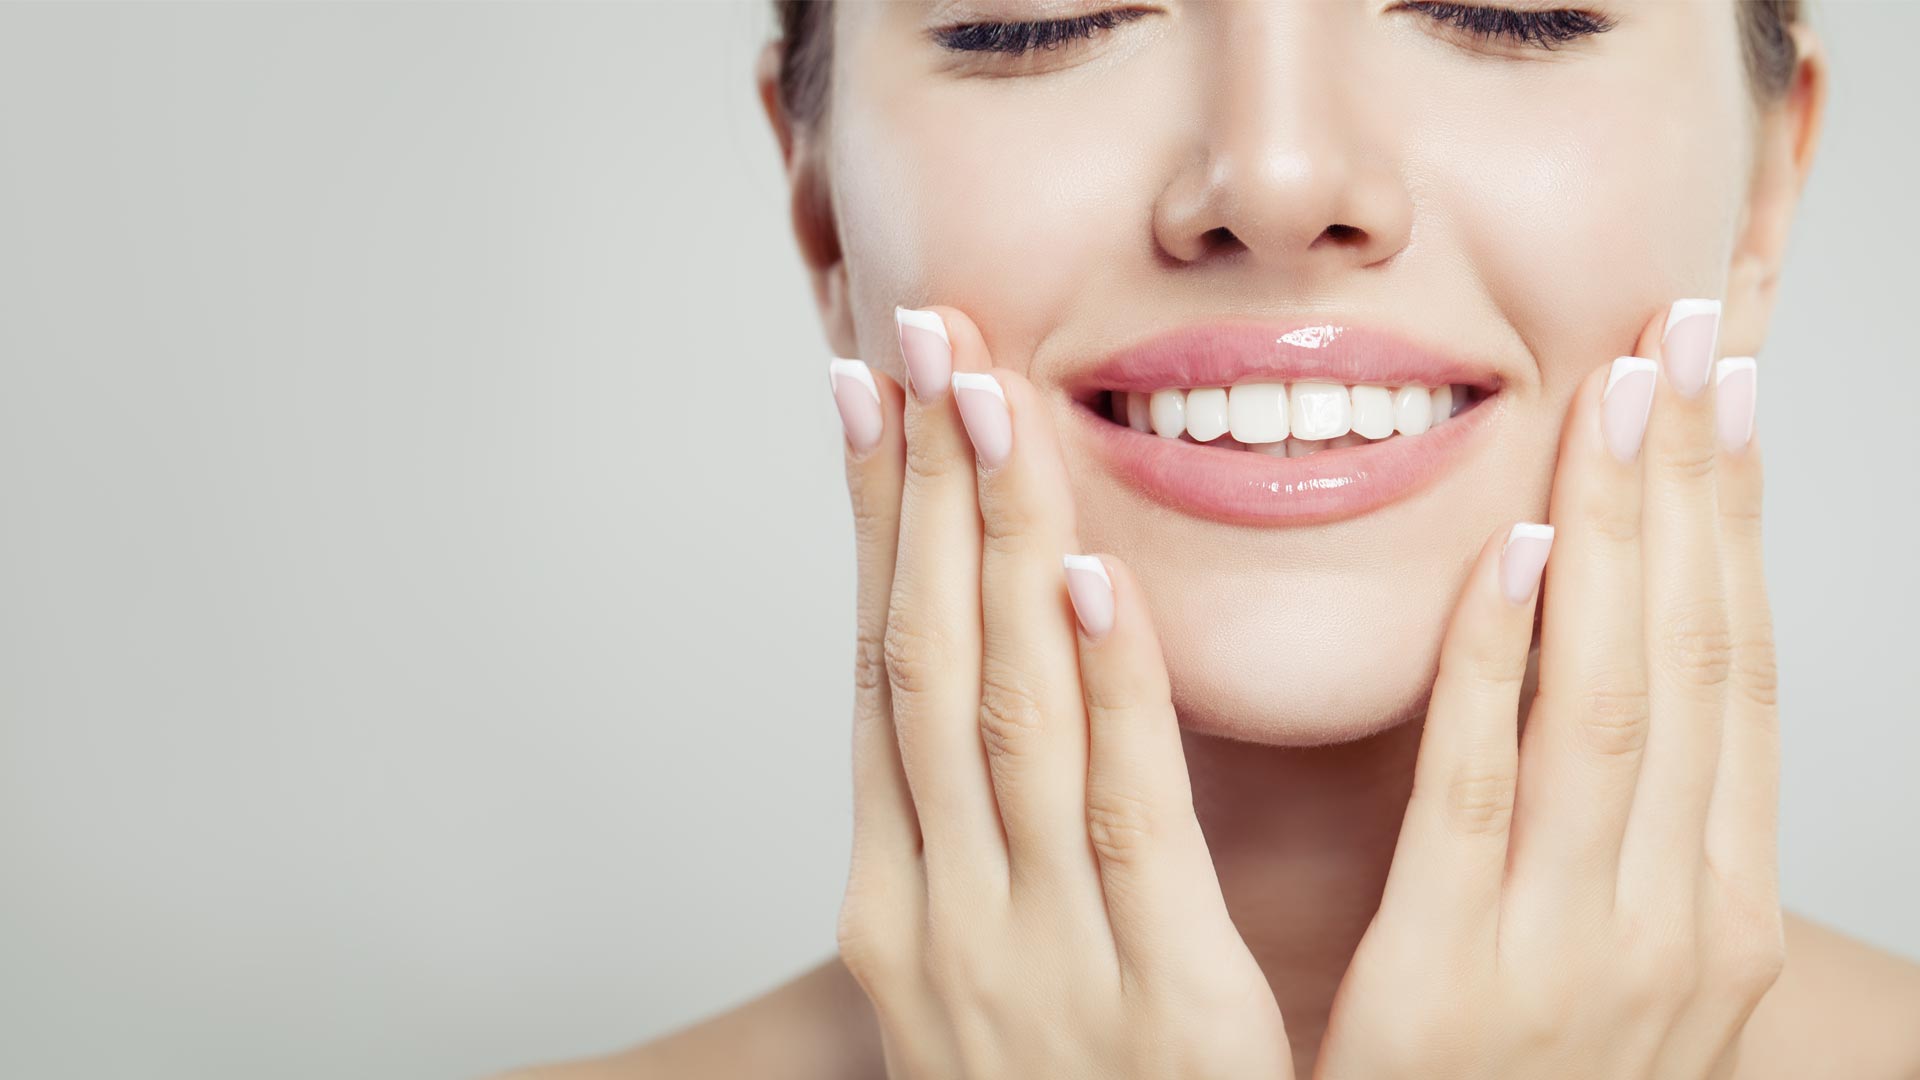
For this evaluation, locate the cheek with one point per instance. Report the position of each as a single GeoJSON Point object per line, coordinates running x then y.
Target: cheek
{"type": "Point", "coordinates": [1582, 220]}
{"type": "Point", "coordinates": [1013, 210]}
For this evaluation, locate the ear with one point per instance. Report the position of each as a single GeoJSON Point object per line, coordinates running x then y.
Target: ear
{"type": "Point", "coordinates": [1787, 135]}
{"type": "Point", "coordinates": [810, 204]}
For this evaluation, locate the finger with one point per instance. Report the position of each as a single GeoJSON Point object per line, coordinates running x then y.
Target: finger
{"type": "Point", "coordinates": [1685, 618]}
{"type": "Point", "coordinates": [1742, 818]}
{"type": "Point", "coordinates": [932, 637]}
{"type": "Point", "coordinates": [886, 831]}
{"type": "Point", "coordinates": [1031, 716]}
{"type": "Point", "coordinates": [1581, 750]}
{"type": "Point", "coordinates": [1156, 875]}
{"type": "Point", "coordinates": [1450, 860]}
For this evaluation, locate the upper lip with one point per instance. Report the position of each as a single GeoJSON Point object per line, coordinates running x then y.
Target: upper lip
{"type": "Point", "coordinates": [1328, 350]}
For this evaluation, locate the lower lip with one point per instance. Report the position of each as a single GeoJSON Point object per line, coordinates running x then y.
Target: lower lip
{"type": "Point", "coordinates": [1245, 487]}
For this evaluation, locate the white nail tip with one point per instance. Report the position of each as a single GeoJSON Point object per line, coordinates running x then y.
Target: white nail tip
{"type": "Point", "coordinates": [1087, 562]}
{"type": "Point", "coordinates": [1731, 364]}
{"type": "Point", "coordinates": [925, 320]}
{"type": "Point", "coordinates": [1624, 366]}
{"type": "Point", "coordinates": [1683, 309]}
{"type": "Point", "coordinates": [856, 370]}
{"type": "Point", "coordinates": [1527, 530]}
{"type": "Point", "coordinates": [978, 380]}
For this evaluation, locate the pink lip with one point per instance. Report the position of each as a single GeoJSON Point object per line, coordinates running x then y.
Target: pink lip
{"type": "Point", "coordinates": [1248, 488]}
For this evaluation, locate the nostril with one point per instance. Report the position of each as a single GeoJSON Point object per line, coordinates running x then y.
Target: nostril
{"type": "Point", "coordinates": [1344, 235]}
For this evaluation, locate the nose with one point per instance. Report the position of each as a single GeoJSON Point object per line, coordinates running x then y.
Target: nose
{"type": "Point", "coordinates": [1292, 163]}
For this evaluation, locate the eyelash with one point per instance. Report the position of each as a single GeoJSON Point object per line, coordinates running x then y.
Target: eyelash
{"type": "Point", "coordinates": [1538, 29]}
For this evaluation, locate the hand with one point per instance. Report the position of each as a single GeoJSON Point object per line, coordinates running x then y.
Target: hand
{"type": "Point", "coordinates": [1030, 892]}
{"type": "Point", "coordinates": [1600, 900]}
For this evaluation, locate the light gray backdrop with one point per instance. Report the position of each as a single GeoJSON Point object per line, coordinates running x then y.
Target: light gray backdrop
{"type": "Point", "coordinates": [424, 570]}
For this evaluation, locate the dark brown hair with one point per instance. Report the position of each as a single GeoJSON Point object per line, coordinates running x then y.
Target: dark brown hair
{"type": "Point", "coordinates": [806, 52]}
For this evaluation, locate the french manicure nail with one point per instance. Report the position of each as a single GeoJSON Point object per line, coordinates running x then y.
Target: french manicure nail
{"type": "Point", "coordinates": [858, 400]}
{"type": "Point", "coordinates": [983, 409]}
{"type": "Point", "coordinates": [1626, 403]}
{"type": "Point", "coordinates": [1091, 591]}
{"type": "Point", "coordinates": [1523, 558]}
{"type": "Point", "coordinates": [1687, 343]}
{"type": "Point", "coordinates": [1735, 386]}
{"type": "Point", "coordinates": [928, 353]}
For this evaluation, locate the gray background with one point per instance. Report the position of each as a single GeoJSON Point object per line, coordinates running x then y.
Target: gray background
{"type": "Point", "coordinates": [424, 570]}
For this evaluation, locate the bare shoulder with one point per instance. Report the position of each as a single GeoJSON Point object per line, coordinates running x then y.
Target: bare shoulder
{"type": "Point", "coordinates": [815, 1026]}
{"type": "Point", "coordinates": [1840, 1008]}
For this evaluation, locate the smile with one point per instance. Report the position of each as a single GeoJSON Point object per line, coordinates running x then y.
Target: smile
{"type": "Point", "coordinates": [1262, 424]}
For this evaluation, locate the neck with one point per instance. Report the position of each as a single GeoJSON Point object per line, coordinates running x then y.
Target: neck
{"type": "Point", "coordinates": [1302, 838]}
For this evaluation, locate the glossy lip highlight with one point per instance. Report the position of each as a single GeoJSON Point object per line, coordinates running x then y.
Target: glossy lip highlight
{"type": "Point", "coordinates": [1241, 487]}
{"type": "Point", "coordinates": [1221, 354]}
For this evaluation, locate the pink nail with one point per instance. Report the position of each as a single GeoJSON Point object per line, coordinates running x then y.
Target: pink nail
{"type": "Point", "coordinates": [1091, 591]}
{"type": "Point", "coordinates": [858, 400]}
{"type": "Point", "coordinates": [983, 409]}
{"type": "Point", "coordinates": [1693, 328]}
{"type": "Point", "coordinates": [924, 345]}
{"type": "Point", "coordinates": [1735, 387]}
{"type": "Point", "coordinates": [1626, 403]}
{"type": "Point", "coordinates": [1523, 558]}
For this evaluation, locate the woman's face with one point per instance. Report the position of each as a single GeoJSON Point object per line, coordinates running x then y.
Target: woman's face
{"type": "Point", "coordinates": [1357, 175]}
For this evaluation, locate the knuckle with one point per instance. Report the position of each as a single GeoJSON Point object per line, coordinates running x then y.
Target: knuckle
{"type": "Point", "coordinates": [869, 661]}
{"type": "Point", "coordinates": [933, 461]}
{"type": "Point", "coordinates": [912, 655]}
{"type": "Point", "coordinates": [865, 950]}
{"type": "Point", "coordinates": [1479, 800]}
{"type": "Point", "coordinates": [1010, 714]}
{"type": "Point", "coordinates": [1480, 803]}
{"type": "Point", "coordinates": [1122, 826]}
{"type": "Point", "coordinates": [1611, 519]}
{"type": "Point", "coordinates": [876, 517]}
{"type": "Point", "coordinates": [1686, 460]}
{"type": "Point", "coordinates": [1614, 718]}
{"type": "Point", "coordinates": [1756, 670]}
{"type": "Point", "coordinates": [1007, 524]}
{"type": "Point", "coordinates": [1698, 645]}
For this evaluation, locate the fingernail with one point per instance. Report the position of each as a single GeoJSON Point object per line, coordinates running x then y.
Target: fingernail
{"type": "Point", "coordinates": [1523, 558]}
{"type": "Point", "coordinates": [1693, 328]}
{"type": "Point", "coordinates": [858, 400]}
{"type": "Point", "coordinates": [1091, 591]}
{"type": "Point", "coordinates": [1735, 387]}
{"type": "Point", "coordinates": [924, 345]}
{"type": "Point", "coordinates": [1625, 405]}
{"type": "Point", "coordinates": [983, 409]}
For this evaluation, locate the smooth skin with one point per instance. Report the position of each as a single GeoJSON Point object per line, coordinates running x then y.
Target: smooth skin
{"type": "Point", "coordinates": [1031, 891]}
{"type": "Point", "coordinates": [1557, 203]}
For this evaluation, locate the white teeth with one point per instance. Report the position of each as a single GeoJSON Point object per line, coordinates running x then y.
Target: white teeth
{"type": "Point", "coordinates": [1412, 410]}
{"type": "Point", "coordinates": [1285, 420]}
{"type": "Point", "coordinates": [1207, 413]}
{"type": "Point", "coordinates": [1320, 410]}
{"type": "Point", "coordinates": [1168, 410]}
{"type": "Point", "coordinates": [1372, 411]}
{"type": "Point", "coordinates": [1257, 412]}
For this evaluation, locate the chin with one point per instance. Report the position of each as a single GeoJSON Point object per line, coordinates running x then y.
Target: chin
{"type": "Point", "coordinates": [1299, 658]}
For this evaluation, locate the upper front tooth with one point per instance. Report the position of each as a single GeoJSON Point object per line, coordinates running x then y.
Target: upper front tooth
{"type": "Point", "coordinates": [1257, 412]}
{"type": "Point", "coordinates": [1168, 411]}
{"type": "Point", "coordinates": [1207, 413]}
{"type": "Point", "coordinates": [1442, 403]}
{"type": "Point", "coordinates": [1137, 416]}
{"type": "Point", "coordinates": [1320, 410]}
{"type": "Point", "coordinates": [1372, 411]}
{"type": "Point", "coordinates": [1412, 410]}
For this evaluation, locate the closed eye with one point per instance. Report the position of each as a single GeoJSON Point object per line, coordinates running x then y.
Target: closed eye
{"type": "Point", "coordinates": [1019, 38]}
{"type": "Point", "coordinates": [1540, 29]}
